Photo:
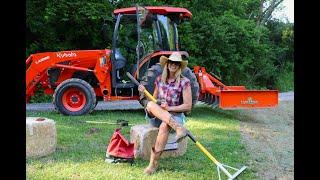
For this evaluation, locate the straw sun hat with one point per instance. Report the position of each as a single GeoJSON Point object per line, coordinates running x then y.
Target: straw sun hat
{"type": "Point", "coordinates": [176, 56]}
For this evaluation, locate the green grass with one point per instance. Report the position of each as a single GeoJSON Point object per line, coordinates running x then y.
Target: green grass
{"type": "Point", "coordinates": [285, 81]}
{"type": "Point", "coordinates": [80, 155]}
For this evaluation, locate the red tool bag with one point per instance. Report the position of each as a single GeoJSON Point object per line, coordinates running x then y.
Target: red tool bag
{"type": "Point", "coordinates": [119, 149]}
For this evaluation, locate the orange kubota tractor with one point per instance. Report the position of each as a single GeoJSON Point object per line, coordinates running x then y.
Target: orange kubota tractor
{"type": "Point", "coordinates": [79, 79]}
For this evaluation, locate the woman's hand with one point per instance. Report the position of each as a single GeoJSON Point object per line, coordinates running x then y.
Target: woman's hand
{"type": "Point", "coordinates": [141, 88]}
{"type": "Point", "coordinates": [164, 105]}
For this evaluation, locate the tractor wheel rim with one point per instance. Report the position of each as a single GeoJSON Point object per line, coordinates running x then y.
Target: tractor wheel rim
{"type": "Point", "coordinates": [73, 99]}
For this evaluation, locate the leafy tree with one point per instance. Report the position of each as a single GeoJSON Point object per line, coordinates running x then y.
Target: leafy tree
{"type": "Point", "coordinates": [62, 25]}
{"type": "Point", "coordinates": [234, 39]}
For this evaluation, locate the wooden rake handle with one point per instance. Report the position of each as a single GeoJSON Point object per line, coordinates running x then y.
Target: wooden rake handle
{"type": "Point", "coordinates": [145, 91]}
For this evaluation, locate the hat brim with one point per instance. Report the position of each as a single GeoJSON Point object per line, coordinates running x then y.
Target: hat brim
{"type": "Point", "coordinates": [164, 60]}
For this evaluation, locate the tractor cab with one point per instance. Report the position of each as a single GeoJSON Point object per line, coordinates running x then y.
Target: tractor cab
{"type": "Point", "coordinates": [140, 32]}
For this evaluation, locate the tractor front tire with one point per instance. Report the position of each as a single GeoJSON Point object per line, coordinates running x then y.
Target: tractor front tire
{"type": "Point", "coordinates": [154, 71]}
{"type": "Point", "coordinates": [74, 97]}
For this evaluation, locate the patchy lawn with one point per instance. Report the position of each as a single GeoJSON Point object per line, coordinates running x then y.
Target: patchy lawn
{"type": "Point", "coordinates": [80, 151]}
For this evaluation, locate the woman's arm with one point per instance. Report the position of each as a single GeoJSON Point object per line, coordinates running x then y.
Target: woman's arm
{"type": "Point", "coordinates": [155, 92]}
{"type": "Point", "coordinates": [141, 88]}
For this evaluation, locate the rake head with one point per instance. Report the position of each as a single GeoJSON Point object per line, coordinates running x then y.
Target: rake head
{"type": "Point", "coordinates": [230, 176]}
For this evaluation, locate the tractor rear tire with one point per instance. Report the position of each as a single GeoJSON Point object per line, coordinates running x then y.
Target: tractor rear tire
{"type": "Point", "coordinates": [74, 97]}
{"type": "Point", "coordinates": [154, 71]}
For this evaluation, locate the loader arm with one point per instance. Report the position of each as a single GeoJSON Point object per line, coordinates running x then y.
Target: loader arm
{"type": "Point", "coordinates": [214, 92]}
{"type": "Point", "coordinates": [34, 73]}
{"type": "Point", "coordinates": [67, 62]}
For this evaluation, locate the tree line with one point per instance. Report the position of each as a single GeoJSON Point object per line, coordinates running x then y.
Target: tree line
{"type": "Point", "coordinates": [236, 39]}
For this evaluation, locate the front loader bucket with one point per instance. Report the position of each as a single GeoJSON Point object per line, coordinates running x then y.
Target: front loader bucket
{"type": "Point", "coordinates": [247, 99]}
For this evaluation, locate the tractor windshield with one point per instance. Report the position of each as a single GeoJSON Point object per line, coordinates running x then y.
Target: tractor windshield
{"type": "Point", "coordinates": [137, 36]}
{"type": "Point", "coordinates": [158, 33]}
{"type": "Point", "coordinates": [149, 37]}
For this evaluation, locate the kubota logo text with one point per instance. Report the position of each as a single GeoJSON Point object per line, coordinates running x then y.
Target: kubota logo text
{"type": "Point", "coordinates": [63, 55]}
{"type": "Point", "coordinates": [42, 59]}
{"type": "Point", "coordinates": [249, 101]}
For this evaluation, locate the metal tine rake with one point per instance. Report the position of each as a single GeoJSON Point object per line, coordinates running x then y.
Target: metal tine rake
{"type": "Point", "coordinates": [219, 165]}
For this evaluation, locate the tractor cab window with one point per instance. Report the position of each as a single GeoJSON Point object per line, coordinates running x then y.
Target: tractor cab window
{"type": "Point", "coordinates": [169, 33]}
{"type": "Point", "coordinates": [134, 40]}
{"type": "Point", "coordinates": [125, 47]}
{"type": "Point", "coordinates": [126, 44]}
{"type": "Point", "coordinates": [149, 37]}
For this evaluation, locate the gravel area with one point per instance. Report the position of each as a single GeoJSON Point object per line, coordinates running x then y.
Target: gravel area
{"type": "Point", "coordinates": [268, 135]}
{"type": "Point", "coordinates": [112, 105]}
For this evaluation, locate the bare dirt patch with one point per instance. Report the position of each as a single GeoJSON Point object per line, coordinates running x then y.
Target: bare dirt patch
{"type": "Point", "coordinates": [268, 135]}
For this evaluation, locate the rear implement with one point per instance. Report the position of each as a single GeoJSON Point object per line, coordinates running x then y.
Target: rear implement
{"type": "Point", "coordinates": [213, 92]}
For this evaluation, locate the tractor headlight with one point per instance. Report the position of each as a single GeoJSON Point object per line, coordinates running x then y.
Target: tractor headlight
{"type": "Point", "coordinates": [103, 61]}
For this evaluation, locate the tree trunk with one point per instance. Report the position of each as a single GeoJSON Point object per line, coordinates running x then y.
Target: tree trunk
{"type": "Point", "coordinates": [266, 14]}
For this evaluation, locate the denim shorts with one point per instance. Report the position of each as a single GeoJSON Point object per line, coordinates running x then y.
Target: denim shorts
{"type": "Point", "coordinates": [178, 117]}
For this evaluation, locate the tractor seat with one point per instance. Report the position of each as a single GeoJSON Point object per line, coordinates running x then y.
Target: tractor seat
{"type": "Point", "coordinates": [120, 60]}
{"type": "Point", "coordinates": [119, 65]}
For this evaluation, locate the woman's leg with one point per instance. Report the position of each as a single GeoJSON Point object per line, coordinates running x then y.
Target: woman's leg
{"type": "Point", "coordinates": [156, 152]}
{"type": "Point", "coordinates": [162, 137]}
{"type": "Point", "coordinates": [155, 122]}
{"type": "Point", "coordinates": [166, 117]}
{"type": "Point", "coordinates": [155, 110]}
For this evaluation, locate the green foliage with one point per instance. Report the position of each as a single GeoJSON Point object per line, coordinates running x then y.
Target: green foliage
{"type": "Point", "coordinates": [282, 38]}
{"type": "Point", "coordinates": [285, 79]}
{"type": "Point", "coordinates": [40, 96]}
{"type": "Point", "coordinates": [231, 47]}
{"type": "Point", "coordinates": [221, 36]}
{"type": "Point", "coordinates": [64, 25]}
{"type": "Point", "coordinates": [224, 38]}
{"type": "Point", "coordinates": [282, 44]}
